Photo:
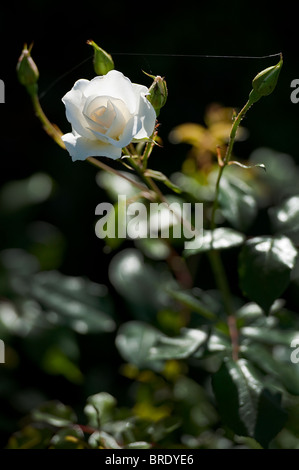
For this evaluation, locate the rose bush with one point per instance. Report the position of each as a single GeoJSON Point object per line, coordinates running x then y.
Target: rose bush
{"type": "Point", "coordinates": [106, 114]}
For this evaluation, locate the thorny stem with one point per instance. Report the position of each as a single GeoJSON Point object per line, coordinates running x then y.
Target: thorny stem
{"type": "Point", "coordinates": [215, 259]}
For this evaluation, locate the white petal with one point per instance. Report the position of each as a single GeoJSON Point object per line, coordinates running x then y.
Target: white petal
{"type": "Point", "coordinates": [122, 120]}
{"type": "Point", "coordinates": [115, 85]}
{"type": "Point", "coordinates": [74, 102]}
{"type": "Point", "coordinates": [140, 90]}
{"type": "Point", "coordinates": [80, 148]}
{"type": "Point", "coordinates": [145, 115]}
{"type": "Point", "coordinates": [124, 139]}
{"type": "Point", "coordinates": [99, 114]}
{"type": "Point", "coordinates": [108, 116]}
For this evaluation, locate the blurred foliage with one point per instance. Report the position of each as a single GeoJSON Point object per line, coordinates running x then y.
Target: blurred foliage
{"type": "Point", "coordinates": [146, 359]}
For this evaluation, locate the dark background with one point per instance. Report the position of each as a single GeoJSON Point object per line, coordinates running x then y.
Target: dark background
{"type": "Point", "coordinates": [60, 30]}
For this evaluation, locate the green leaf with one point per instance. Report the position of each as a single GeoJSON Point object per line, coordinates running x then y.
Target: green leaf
{"type": "Point", "coordinates": [123, 430]}
{"type": "Point", "coordinates": [159, 176]}
{"type": "Point", "coordinates": [269, 405]}
{"type": "Point", "coordinates": [281, 179]}
{"type": "Point", "coordinates": [265, 265]}
{"type": "Point", "coordinates": [268, 336]}
{"type": "Point", "coordinates": [217, 343]}
{"type": "Point", "coordinates": [199, 188]}
{"type": "Point", "coordinates": [115, 185]}
{"type": "Point", "coordinates": [134, 342]}
{"type": "Point", "coordinates": [56, 362]}
{"type": "Point", "coordinates": [285, 373]}
{"type": "Point", "coordinates": [237, 203]}
{"type": "Point", "coordinates": [251, 311]}
{"type": "Point", "coordinates": [99, 408]}
{"type": "Point", "coordinates": [73, 301]}
{"type": "Point", "coordinates": [160, 429]}
{"type": "Point", "coordinates": [195, 305]}
{"type": "Point", "coordinates": [101, 439]}
{"type": "Point", "coordinates": [128, 270]}
{"type": "Point", "coordinates": [30, 437]}
{"type": "Point", "coordinates": [68, 438]}
{"type": "Point", "coordinates": [54, 413]}
{"type": "Point", "coordinates": [219, 239]}
{"type": "Point", "coordinates": [154, 248]}
{"type": "Point", "coordinates": [244, 404]}
{"type": "Point", "coordinates": [139, 445]}
{"type": "Point", "coordinates": [285, 218]}
{"type": "Point", "coordinates": [180, 347]}
{"type": "Point", "coordinates": [247, 167]}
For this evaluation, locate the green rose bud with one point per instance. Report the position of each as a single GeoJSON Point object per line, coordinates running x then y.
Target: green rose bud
{"type": "Point", "coordinates": [102, 61]}
{"type": "Point", "coordinates": [157, 93]}
{"type": "Point", "coordinates": [265, 82]}
{"type": "Point", "coordinates": [27, 70]}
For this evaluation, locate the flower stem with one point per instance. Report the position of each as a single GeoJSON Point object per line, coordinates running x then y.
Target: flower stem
{"type": "Point", "coordinates": [227, 158]}
{"type": "Point", "coordinates": [152, 185]}
{"type": "Point", "coordinates": [103, 166]}
{"type": "Point", "coordinates": [214, 256]}
{"type": "Point", "coordinates": [221, 280]}
{"type": "Point", "coordinates": [234, 129]}
{"type": "Point", "coordinates": [148, 150]}
{"type": "Point", "coordinates": [215, 204]}
{"type": "Point", "coordinates": [50, 129]}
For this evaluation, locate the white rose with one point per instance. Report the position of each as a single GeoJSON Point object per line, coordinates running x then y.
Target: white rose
{"type": "Point", "coordinates": [106, 114]}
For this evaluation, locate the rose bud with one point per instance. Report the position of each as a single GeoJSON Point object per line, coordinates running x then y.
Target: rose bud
{"type": "Point", "coordinates": [158, 93]}
{"type": "Point", "coordinates": [102, 61]}
{"type": "Point", "coordinates": [27, 70]}
{"type": "Point", "coordinates": [265, 82]}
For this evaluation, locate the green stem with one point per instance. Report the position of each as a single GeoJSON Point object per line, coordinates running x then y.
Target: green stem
{"type": "Point", "coordinates": [222, 283]}
{"type": "Point", "coordinates": [227, 158]}
{"type": "Point", "coordinates": [233, 132]}
{"type": "Point", "coordinates": [107, 168]}
{"type": "Point", "coordinates": [215, 204]}
{"type": "Point", "coordinates": [141, 175]}
{"type": "Point", "coordinates": [197, 306]}
{"type": "Point", "coordinates": [147, 152]}
{"type": "Point", "coordinates": [221, 280]}
{"type": "Point", "coordinates": [50, 129]}
{"type": "Point", "coordinates": [214, 256]}
{"type": "Point", "coordinates": [152, 185]}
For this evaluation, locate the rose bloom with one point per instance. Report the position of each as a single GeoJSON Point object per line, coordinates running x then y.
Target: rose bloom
{"type": "Point", "coordinates": [106, 114]}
